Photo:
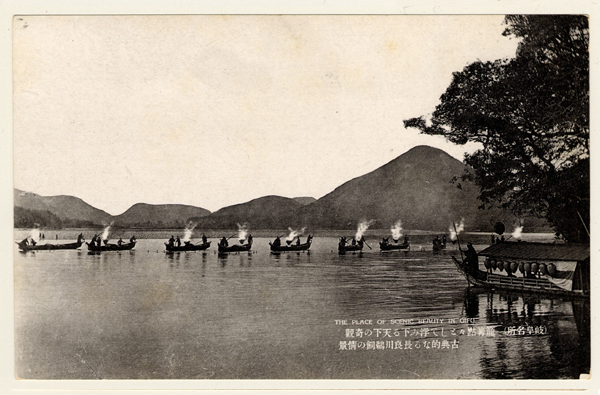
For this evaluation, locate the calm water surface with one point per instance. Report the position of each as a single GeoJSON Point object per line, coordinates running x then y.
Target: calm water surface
{"type": "Point", "coordinates": [199, 315]}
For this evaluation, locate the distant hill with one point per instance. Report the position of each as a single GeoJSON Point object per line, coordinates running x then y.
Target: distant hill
{"type": "Point", "coordinates": [159, 215]}
{"type": "Point", "coordinates": [415, 188]}
{"type": "Point", "coordinates": [269, 212]}
{"type": "Point", "coordinates": [71, 210]}
{"type": "Point", "coordinates": [305, 200]}
{"type": "Point", "coordinates": [25, 218]}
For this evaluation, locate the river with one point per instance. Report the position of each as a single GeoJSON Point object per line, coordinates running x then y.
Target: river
{"type": "Point", "coordinates": [146, 314]}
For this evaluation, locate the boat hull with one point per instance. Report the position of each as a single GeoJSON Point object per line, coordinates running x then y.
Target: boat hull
{"type": "Point", "coordinates": [483, 279]}
{"type": "Point", "coordinates": [235, 248]}
{"type": "Point", "coordinates": [50, 247]}
{"type": "Point", "coordinates": [290, 248]}
{"type": "Point", "coordinates": [111, 247]}
{"type": "Point", "coordinates": [196, 247]}
{"type": "Point", "coordinates": [391, 247]}
{"type": "Point", "coordinates": [342, 249]}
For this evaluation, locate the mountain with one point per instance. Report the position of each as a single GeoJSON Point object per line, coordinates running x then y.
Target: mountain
{"type": "Point", "coordinates": [415, 188]}
{"type": "Point", "coordinates": [25, 218]}
{"type": "Point", "coordinates": [71, 210]}
{"type": "Point", "coordinates": [159, 215]}
{"type": "Point", "coordinates": [304, 200]}
{"type": "Point", "coordinates": [268, 212]}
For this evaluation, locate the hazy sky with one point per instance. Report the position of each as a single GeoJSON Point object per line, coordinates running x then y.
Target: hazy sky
{"type": "Point", "coordinates": [218, 110]}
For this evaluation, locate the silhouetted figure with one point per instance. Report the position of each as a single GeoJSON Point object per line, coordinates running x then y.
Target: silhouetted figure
{"type": "Point", "coordinates": [120, 242]}
{"type": "Point", "coordinates": [471, 259]}
{"type": "Point", "coordinates": [204, 239]}
{"type": "Point", "coordinates": [224, 242]}
{"type": "Point", "coordinates": [171, 242]}
{"type": "Point", "coordinates": [178, 242]}
{"type": "Point", "coordinates": [277, 242]}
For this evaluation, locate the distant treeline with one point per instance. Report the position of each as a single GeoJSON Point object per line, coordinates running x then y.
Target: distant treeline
{"type": "Point", "coordinates": [26, 218]}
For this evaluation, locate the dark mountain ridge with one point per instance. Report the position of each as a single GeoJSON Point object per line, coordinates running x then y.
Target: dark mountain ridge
{"type": "Point", "coordinates": [417, 188]}
{"type": "Point", "coordinates": [268, 212]}
{"type": "Point", "coordinates": [159, 215]}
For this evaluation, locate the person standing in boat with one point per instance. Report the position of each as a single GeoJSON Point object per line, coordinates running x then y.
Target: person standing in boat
{"type": "Point", "coordinates": [178, 242]}
{"type": "Point", "coordinates": [224, 242]}
{"type": "Point", "coordinates": [353, 241]}
{"type": "Point", "coordinates": [204, 239]}
{"type": "Point", "coordinates": [298, 241]}
{"type": "Point", "coordinates": [249, 239]}
{"type": "Point", "coordinates": [120, 242]}
{"type": "Point", "coordinates": [471, 259]}
{"type": "Point", "coordinates": [171, 242]}
{"type": "Point", "coordinates": [277, 242]}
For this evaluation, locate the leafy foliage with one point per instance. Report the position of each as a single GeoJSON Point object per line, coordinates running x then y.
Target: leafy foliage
{"type": "Point", "coordinates": [531, 116]}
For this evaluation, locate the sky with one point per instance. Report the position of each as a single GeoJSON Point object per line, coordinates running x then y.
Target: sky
{"type": "Point", "coordinates": [215, 110]}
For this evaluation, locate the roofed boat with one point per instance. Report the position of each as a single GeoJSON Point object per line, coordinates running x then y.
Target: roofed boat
{"type": "Point", "coordinates": [25, 246]}
{"type": "Point", "coordinates": [562, 269]}
{"type": "Point", "coordinates": [292, 247]}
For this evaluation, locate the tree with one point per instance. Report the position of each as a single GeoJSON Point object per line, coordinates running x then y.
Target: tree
{"type": "Point", "coordinates": [531, 116]}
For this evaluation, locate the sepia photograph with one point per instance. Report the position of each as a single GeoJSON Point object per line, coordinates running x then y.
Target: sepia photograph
{"type": "Point", "coordinates": [301, 197]}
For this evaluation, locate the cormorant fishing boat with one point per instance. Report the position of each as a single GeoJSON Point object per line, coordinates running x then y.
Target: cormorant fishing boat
{"type": "Point", "coordinates": [562, 269]}
{"type": "Point", "coordinates": [343, 247]}
{"type": "Point", "coordinates": [236, 247]}
{"type": "Point", "coordinates": [385, 245]}
{"type": "Point", "coordinates": [277, 247]}
{"type": "Point", "coordinates": [187, 247]}
{"type": "Point", "coordinates": [112, 247]}
{"type": "Point", "coordinates": [25, 246]}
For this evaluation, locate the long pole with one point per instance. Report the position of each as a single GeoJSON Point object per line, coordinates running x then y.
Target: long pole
{"type": "Point", "coordinates": [461, 255]}
{"type": "Point", "coordinates": [583, 222]}
{"type": "Point", "coordinates": [458, 241]}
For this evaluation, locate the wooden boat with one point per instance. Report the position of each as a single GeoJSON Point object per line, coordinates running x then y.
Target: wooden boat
{"type": "Point", "coordinates": [24, 246]}
{"type": "Point", "coordinates": [386, 246]}
{"type": "Point", "coordinates": [111, 247]}
{"type": "Point", "coordinates": [187, 247]}
{"type": "Point", "coordinates": [439, 245]}
{"type": "Point", "coordinates": [292, 247]}
{"type": "Point", "coordinates": [561, 269]}
{"type": "Point", "coordinates": [235, 247]}
{"type": "Point", "coordinates": [343, 247]}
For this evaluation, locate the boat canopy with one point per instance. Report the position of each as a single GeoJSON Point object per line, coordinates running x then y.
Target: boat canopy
{"type": "Point", "coordinates": [571, 261]}
{"type": "Point", "coordinates": [538, 251]}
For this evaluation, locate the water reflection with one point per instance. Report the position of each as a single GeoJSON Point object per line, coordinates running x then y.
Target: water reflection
{"type": "Point", "coordinates": [538, 336]}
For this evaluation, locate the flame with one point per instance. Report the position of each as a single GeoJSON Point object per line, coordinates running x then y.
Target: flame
{"type": "Point", "coordinates": [397, 230]}
{"type": "Point", "coordinates": [189, 229]}
{"type": "Point", "coordinates": [242, 231]}
{"type": "Point", "coordinates": [34, 233]}
{"type": "Point", "coordinates": [106, 232]}
{"type": "Point", "coordinates": [518, 232]}
{"type": "Point", "coordinates": [294, 233]}
{"type": "Point", "coordinates": [454, 234]}
{"type": "Point", "coordinates": [362, 228]}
